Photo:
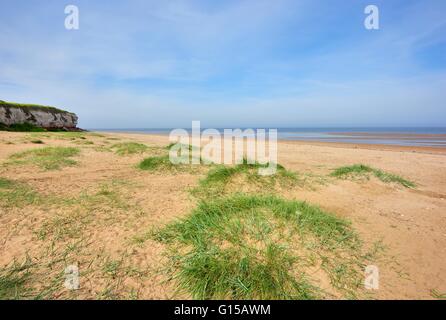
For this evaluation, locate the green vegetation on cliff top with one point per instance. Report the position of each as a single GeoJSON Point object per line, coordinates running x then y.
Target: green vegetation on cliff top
{"type": "Point", "coordinates": [30, 106]}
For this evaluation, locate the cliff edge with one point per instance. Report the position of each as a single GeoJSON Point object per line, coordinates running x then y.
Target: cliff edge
{"type": "Point", "coordinates": [37, 115]}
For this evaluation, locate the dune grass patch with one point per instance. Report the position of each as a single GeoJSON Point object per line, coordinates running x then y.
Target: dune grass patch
{"type": "Point", "coordinates": [48, 158]}
{"type": "Point", "coordinates": [189, 147]}
{"type": "Point", "coordinates": [13, 281]}
{"type": "Point", "coordinates": [16, 194]}
{"type": "Point", "coordinates": [61, 135]}
{"type": "Point", "coordinates": [74, 136]}
{"type": "Point", "coordinates": [40, 277]}
{"type": "Point", "coordinates": [95, 134]}
{"type": "Point", "coordinates": [84, 142]}
{"type": "Point", "coordinates": [163, 163]}
{"type": "Point", "coordinates": [190, 151]}
{"type": "Point", "coordinates": [156, 163]}
{"type": "Point", "coordinates": [128, 148]}
{"type": "Point", "coordinates": [437, 295]}
{"type": "Point", "coordinates": [364, 170]}
{"type": "Point", "coordinates": [218, 178]}
{"type": "Point", "coordinates": [103, 205]}
{"type": "Point", "coordinates": [38, 135]}
{"type": "Point", "coordinates": [260, 247]}
{"type": "Point", "coordinates": [37, 141]}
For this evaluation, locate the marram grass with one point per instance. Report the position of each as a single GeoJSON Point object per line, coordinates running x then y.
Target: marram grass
{"type": "Point", "coordinates": [218, 178]}
{"type": "Point", "coordinates": [48, 158]}
{"type": "Point", "coordinates": [128, 148]}
{"type": "Point", "coordinates": [361, 169]}
{"type": "Point", "coordinates": [14, 194]}
{"type": "Point", "coordinates": [255, 247]}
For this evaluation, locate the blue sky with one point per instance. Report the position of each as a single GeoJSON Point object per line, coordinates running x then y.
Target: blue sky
{"type": "Point", "coordinates": [281, 63]}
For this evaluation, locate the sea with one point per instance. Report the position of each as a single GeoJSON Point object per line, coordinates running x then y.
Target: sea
{"type": "Point", "coordinates": [400, 136]}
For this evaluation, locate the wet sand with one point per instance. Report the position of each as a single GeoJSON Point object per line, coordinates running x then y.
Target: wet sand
{"type": "Point", "coordinates": [369, 146]}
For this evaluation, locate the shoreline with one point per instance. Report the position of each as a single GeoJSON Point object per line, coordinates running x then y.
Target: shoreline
{"type": "Point", "coordinates": [390, 135]}
{"type": "Point", "coordinates": [347, 145]}
{"type": "Point", "coordinates": [370, 146]}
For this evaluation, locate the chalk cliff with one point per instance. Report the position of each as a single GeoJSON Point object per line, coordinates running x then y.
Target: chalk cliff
{"type": "Point", "coordinates": [40, 116]}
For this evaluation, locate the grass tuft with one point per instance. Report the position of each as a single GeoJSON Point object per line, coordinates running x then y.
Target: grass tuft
{"type": "Point", "coordinates": [48, 158]}
{"type": "Point", "coordinates": [183, 146]}
{"type": "Point", "coordinates": [437, 295]}
{"type": "Point", "coordinates": [360, 169]}
{"type": "Point", "coordinates": [13, 281]}
{"type": "Point", "coordinates": [253, 247]}
{"type": "Point", "coordinates": [163, 163]}
{"type": "Point", "coordinates": [219, 177]}
{"type": "Point", "coordinates": [37, 141]}
{"type": "Point", "coordinates": [156, 163]}
{"type": "Point", "coordinates": [127, 148]}
{"type": "Point", "coordinates": [14, 194]}
{"type": "Point", "coordinates": [85, 209]}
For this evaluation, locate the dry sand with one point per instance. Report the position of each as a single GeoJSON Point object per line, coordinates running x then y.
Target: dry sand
{"type": "Point", "coordinates": [411, 223]}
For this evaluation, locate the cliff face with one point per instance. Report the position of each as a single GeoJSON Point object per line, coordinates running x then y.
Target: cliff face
{"type": "Point", "coordinates": [41, 116]}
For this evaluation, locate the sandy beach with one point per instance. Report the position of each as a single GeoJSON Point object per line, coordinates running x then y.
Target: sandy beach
{"type": "Point", "coordinates": [95, 213]}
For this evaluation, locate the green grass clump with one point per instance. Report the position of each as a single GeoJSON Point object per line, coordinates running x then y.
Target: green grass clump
{"type": "Point", "coordinates": [37, 141]}
{"type": "Point", "coordinates": [256, 247]}
{"type": "Point", "coordinates": [437, 295]}
{"type": "Point", "coordinates": [184, 146]}
{"type": "Point", "coordinates": [84, 142]}
{"type": "Point", "coordinates": [360, 169]}
{"type": "Point", "coordinates": [190, 152]}
{"type": "Point", "coordinates": [219, 177]}
{"type": "Point", "coordinates": [6, 183]}
{"type": "Point", "coordinates": [13, 281]}
{"type": "Point", "coordinates": [14, 194]}
{"type": "Point", "coordinates": [156, 163]}
{"type": "Point", "coordinates": [126, 148]}
{"type": "Point", "coordinates": [104, 204]}
{"type": "Point", "coordinates": [48, 158]}
{"type": "Point", "coordinates": [68, 135]}
{"type": "Point", "coordinates": [40, 277]}
{"type": "Point", "coordinates": [163, 163]}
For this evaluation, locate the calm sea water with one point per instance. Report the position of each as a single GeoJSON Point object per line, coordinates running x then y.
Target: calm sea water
{"type": "Point", "coordinates": [407, 136]}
